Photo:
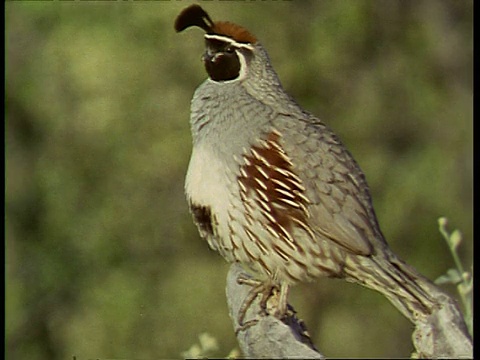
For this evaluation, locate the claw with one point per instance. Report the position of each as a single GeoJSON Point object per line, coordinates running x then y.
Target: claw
{"type": "Point", "coordinates": [246, 325]}
{"type": "Point", "coordinates": [273, 301]}
{"type": "Point", "coordinates": [252, 295]}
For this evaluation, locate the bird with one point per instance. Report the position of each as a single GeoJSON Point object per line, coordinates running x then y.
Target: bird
{"type": "Point", "coordinates": [272, 187]}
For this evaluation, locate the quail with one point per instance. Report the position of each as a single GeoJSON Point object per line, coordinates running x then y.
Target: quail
{"type": "Point", "coordinates": [271, 187]}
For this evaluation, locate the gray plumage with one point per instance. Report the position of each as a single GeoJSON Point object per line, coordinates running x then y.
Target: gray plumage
{"type": "Point", "coordinates": [272, 187]}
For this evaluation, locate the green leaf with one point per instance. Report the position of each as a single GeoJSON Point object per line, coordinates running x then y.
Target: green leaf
{"type": "Point", "coordinates": [455, 239]}
{"type": "Point", "coordinates": [465, 287]}
{"type": "Point", "coordinates": [451, 277]}
{"type": "Point", "coordinates": [442, 222]}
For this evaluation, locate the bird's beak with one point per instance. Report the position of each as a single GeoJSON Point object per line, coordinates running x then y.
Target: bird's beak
{"type": "Point", "coordinates": [210, 56]}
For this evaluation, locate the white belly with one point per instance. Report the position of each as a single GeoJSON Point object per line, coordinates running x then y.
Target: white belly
{"type": "Point", "coordinates": [206, 180]}
{"type": "Point", "coordinates": [206, 185]}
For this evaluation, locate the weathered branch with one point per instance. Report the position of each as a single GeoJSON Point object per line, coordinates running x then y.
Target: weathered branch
{"type": "Point", "coordinates": [270, 337]}
{"type": "Point", "coordinates": [442, 335]}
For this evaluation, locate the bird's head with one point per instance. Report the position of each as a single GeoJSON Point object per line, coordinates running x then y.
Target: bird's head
{"type": "Point", "coordinates": [230, 48]}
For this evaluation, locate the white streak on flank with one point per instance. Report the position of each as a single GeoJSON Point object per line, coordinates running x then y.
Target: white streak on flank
{"type": "Point", "coordinates": [242, 186]}
{"type": "Point", "coordinates": [262, 195]}
{"type": "Point", "coordinates": [290, 202]}
{"type": "Point", "coordinates": [272, 231]}
{"type": "Point", "coordinates": [264, 206]}
{"type": "Point", "coordinates": [243, 172]}
{"type": "Point", "coordinates": [284, 172]}
{"type": "Point", "coordinates": [261, 171]}
{"type": "Point", "coordinates": [261, 183]}
{"type": "Point", "coordinates": [287, 237]}
{"type": "Point", "coordinates": [255, 153]}
{"type": "Point", "coordinates": [269, 216]}
{"type": "Point", "coordinates": [288, 194]}
{"type": "Point", "coordinates": [303, 197]}
{"type": "Point", "coordinates": [281, 183]}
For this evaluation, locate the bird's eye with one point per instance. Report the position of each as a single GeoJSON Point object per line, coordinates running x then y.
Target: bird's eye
{"type": "Point", "coordinates": [230, 49]}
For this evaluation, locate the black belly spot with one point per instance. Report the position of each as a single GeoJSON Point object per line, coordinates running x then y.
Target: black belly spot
{"type": "Point", "coordinates": [203, 219]}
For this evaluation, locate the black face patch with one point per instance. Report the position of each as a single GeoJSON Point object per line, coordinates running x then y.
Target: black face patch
{"type": "Point", "coordinates": [221, 60]}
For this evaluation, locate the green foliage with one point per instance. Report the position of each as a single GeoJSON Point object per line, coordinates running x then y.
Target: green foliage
{"type": "Point", "coordinates": [458, 276]}
{"type": "Point", "coordinates": [102, 258]}
{"type": "Point", "coordinates": [206, 346]}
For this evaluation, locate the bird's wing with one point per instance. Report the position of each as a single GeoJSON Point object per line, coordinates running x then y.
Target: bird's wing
{"type": "Point", "coordinates": [340, 204]}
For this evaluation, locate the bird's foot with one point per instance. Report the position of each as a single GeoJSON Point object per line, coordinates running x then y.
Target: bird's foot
{"type": "Point", "coordinates": [273, 301]}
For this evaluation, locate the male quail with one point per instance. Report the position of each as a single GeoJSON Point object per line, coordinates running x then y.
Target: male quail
{"type": "Point", "coordinates": [272, 187]}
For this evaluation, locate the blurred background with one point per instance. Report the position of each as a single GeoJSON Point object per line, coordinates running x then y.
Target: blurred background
{"type": "Point", "coordinates": [102, 257]}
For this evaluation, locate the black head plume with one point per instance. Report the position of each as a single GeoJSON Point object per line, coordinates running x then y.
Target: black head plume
{"type": "Point", "coordinates": [194, 15]}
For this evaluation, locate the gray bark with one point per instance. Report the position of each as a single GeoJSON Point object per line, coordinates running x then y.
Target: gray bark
{"type": "Point", "coordinates": [442, 335]}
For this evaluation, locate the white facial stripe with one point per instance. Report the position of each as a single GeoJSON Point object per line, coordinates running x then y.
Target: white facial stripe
{"type": "Point", "coordinates": [243, 66]}
{"type": "Point", "coordinates": [229, 40]}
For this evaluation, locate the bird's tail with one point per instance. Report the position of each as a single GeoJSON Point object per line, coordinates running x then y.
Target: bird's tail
{"type": "Point", "coordinates": [412, 294]}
